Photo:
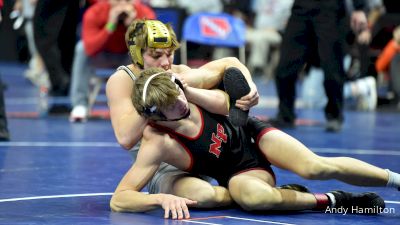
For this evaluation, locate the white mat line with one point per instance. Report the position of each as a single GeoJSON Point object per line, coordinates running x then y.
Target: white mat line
{"type": "Point", "coordinates": [54, 196]}
{"type": "Point", "coordinates": [57, 144]}
{"type": "Point", "coordinates": [194, 221]}
{"type": "Point", "coordinates": [393, 202]}
{"type": "Point", "coordinates": [259, 221]}
{"type": "Point", "coordinates": [356, 151]}
{"type": "Point", "coordinates": [57, 196]}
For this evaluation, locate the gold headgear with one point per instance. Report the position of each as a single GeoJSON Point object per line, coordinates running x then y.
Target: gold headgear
{"type": "Point", "coordinates": [158, 36]}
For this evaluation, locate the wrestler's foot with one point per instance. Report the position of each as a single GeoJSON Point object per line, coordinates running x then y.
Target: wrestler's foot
{"type": "Point", "coordinates": [295, 187]}
{"type": "Point", "coordinates": [364, 203]}
{"type": "Point", "coordinates": [236, 87]}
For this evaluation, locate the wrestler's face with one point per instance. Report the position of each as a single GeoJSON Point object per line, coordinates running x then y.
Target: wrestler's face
{"type": "Point", "coordinates": [179, 109]}
{"type": "Point", "coordinates": [158, 57]}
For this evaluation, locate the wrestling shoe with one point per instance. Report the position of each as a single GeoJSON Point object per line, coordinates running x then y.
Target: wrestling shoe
{"type": "Point", "coordinates": [295, 187]}
{"type": "Point", "coordinates": [364, 203]}
{"type": "Point", "coordinates": [236, 87]}
{"type": "Point", "coordinates": [333, 125]}
{"type": "Point", "coordinates": [368, 96]}
{"type": "Point", "coordinates": [79, 113]}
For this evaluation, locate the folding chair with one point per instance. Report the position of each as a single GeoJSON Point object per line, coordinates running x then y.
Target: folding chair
{"type": "Point", "coordinates": [215, 29]}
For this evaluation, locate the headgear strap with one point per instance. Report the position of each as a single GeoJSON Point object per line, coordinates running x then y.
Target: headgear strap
{"type": "Point", "coordinates": [147, 84]}
{"type": "Point", "coordinates": [153, 109]}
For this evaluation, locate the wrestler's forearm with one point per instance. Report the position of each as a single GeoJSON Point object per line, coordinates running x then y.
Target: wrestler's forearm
{"type": "Point", "coordinates": [134, 201]}
{"type": "Point", "coordinates": [211, 74]}
{"type": "Point", "coordinates": [128, 129]}
{"type": "Point", "coordinates": [214, 101]}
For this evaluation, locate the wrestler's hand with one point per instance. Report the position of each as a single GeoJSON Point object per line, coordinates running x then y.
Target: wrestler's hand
{"type": "Point", "coordinates": [249, 100]}
{"type": "Point", "coordinates": [181, 79]}
{"type": "Point", "coordinates": [176, 206]}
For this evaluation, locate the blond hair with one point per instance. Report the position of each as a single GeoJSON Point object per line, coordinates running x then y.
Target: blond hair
{"type": "Point", "coordinates": [161, 92]}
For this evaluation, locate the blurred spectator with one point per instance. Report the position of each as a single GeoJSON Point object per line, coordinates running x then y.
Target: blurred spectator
{"type": "Point", "coordinates": [160, 3]}
{"type": "Point", "coordinates": [1, 7]}
{"type": "Point", "coordinates": [102, 45]}
{"type": "Point", "coordinates": [4, 134]}
{"type": "Point", "coordinates": [388, 64]}
{"type": "Point", "coordinates": [265, 21]}
{"type": "Point", "coordinates": [387, 18]}
{"type": "Point", "coordinates": [191, 7]}
{"type": "Point", "coordinates": [320, 25]}
{"type": "Point", "coordinates": [269, 23]}
{"type": "Point", "coordinates": [240, 9]}
{"type": "Point", "coordinates": [23, 12]}
{"type": "Point", "coordinates": [198, 54]}
{"type": "Point", "coordinates": [359, 94]}
{"type": "Point", "coordinates": [55, 25]}
{"type": "Point", "coordinates": [360, 90]}
{"type": "Point", "coordinates": [360, 42]}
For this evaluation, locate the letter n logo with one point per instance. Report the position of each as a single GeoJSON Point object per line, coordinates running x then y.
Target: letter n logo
{"type": "Point", "coordinates": [217, 140]}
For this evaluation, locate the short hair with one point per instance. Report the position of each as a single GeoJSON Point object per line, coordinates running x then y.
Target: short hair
{"type": "Point", "coordinates": [143, 34]}
{"type": "Point", "coordinates": [160, 93]}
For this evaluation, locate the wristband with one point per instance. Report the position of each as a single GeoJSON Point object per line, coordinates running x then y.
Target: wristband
{"type": "Point", "coordinates": [111, 27]}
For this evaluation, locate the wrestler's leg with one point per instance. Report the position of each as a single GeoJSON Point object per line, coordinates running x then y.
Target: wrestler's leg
{"type": "Point", "coordinates": [286, 152]}
{"type": "Point", "coordinates": [206, 195]}
{"type": "Point", "coordinates": [169, 179]}
{"type": "Point", "coordinates": [254, 190]}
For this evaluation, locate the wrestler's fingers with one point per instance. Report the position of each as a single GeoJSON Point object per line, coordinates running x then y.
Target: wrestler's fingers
{"type": "Point", "coordinates": [246, 104]}
{"type": "Point", "coordinates": [185, 207]}
{"type": "Point", "coordinates": [186, 211]}
{"type": "Point", "coordinates": [251, 96]}
{"type": "Point", "coordinates": [166, 213]}
{"type": "Point", "coordinates": [179, 210]}
{"type": "Point", "coordinates": [173, 213]}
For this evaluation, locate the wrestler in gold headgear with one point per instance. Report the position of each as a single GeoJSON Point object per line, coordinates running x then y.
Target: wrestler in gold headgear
{"type": "Point", "coordinates": [143, 34]}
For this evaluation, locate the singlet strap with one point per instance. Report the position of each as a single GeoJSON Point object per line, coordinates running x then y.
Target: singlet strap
{"type": "Point", "coordinates": [128, 71]}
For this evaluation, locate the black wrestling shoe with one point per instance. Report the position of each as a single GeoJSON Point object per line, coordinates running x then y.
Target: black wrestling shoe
{"type": "Point", "coordinates": [295, 187]}
{"type": "Point", "coordinates": [364, 203]}
{"type": "Point", "coordinates": [4, 134]}
{"type": "Point", "coordinates": [236, 87]}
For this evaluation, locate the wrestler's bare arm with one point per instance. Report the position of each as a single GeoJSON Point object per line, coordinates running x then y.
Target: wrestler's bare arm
{"type": "Point", "coordinates": [214, 101]}
{"type": "Point", "coordinates": [127, 124]}
{"type": "Point", "coordinates": [127, 196]}
{"type": "Point", "coordinates": [211, 74]}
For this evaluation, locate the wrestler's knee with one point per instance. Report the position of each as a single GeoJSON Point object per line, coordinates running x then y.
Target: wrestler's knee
{"type": "Point", "coordinates": [216, 196]}
{"type": "Point", "coordinates": [252, 196]}
{"type": "Point", "coordinates": [203, 192]}
{"type": "Point", "coordinates": [317, 168]}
